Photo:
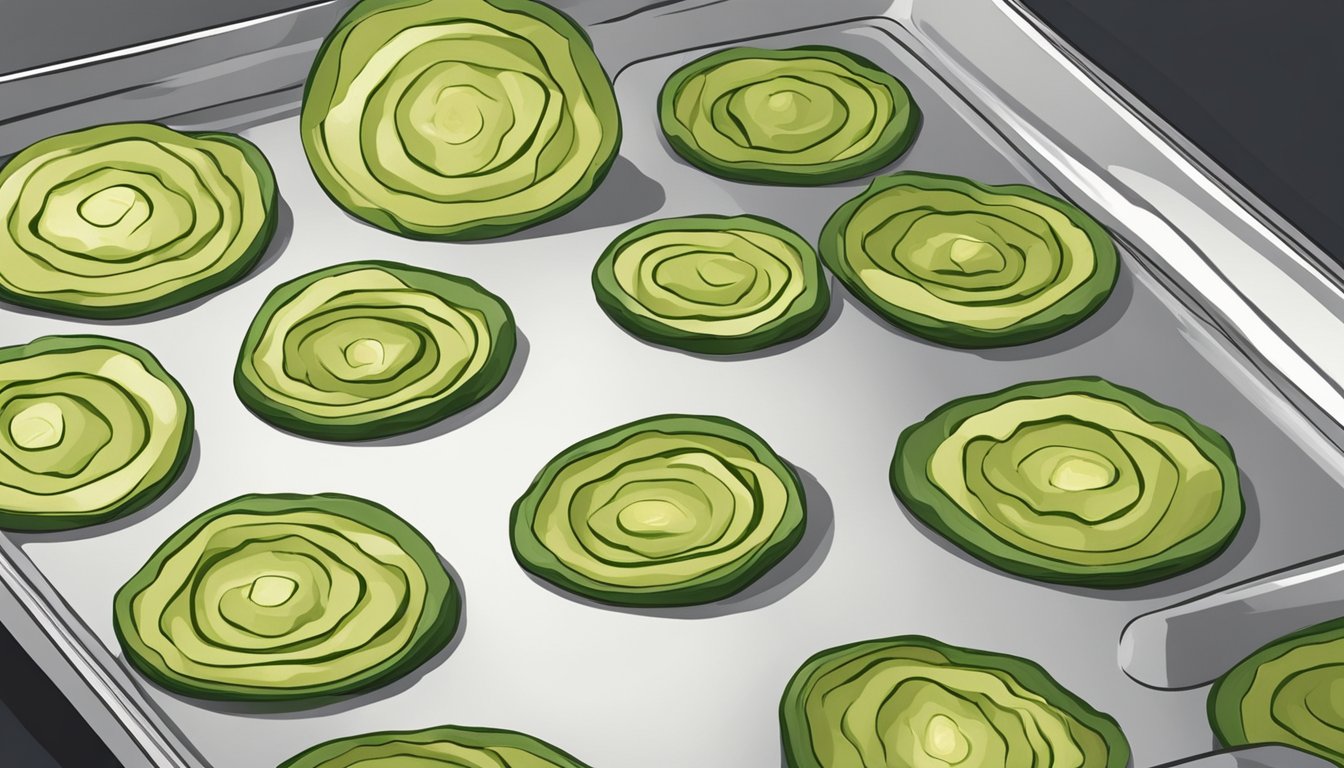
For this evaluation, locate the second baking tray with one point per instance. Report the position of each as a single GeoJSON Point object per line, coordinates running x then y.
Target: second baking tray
{"type": "Point", "coordinates": [699, 686]}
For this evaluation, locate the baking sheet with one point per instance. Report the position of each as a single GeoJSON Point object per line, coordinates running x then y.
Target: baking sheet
{"type": "Point", "coordinates": [697, 686]}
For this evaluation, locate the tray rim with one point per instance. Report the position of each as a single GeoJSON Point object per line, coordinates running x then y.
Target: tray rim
{"type": "Point", "coordinates": [119, 701]}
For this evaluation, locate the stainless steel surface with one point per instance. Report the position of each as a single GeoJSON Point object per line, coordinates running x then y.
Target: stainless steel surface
{"type": "Point", "coordinates": [1196, 641]}
{"type": "Point", "coordinates": [1256, 757]}
{"type": "Point", "coordinates": [659, 689]}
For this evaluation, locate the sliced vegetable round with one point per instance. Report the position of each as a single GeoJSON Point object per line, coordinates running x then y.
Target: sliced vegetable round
{"type": "Point", "coordinates": [458, 119]}
{"type": "Point", "coordinates": [124, 219]}
{"type": "Point", "coordinates": [914, 701]}
{"type": "Point", "coordinates": [970, 264]}
{"type": "Point", "coordinates": [1076, 481]}
{"type": "Point", "coordinates": [714, 284]}
{"type": "Point", "coordinates": [91, 429]}
{"type": "Point", "coordinates": [287, 596]}
{"type": "Point", "coordinates": [1286, 693]}
{"type": "Point", "coordinates": [806, 116]}
{"type": "Point", "coordinates": [448, 745]}
{"type": "Point", "coordinates": [371, 349]}
{"type": "Point", "coordinates": [669, 510]}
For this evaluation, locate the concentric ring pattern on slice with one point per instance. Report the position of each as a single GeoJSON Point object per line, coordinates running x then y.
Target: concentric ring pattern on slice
{"type": "Point", "coordinates": [125, 219]}
{"type": "Point", "coordinates": [712, 284]}
{"type": "Point", "coordinates": [806, 116]}
{"type": "Point", "coordinates": [669, 510]}
{"type": "Point", "coordinates": [970, 264]}
{"type": "Point", "coordinates": [456, 746]}
{"type": "Point", "coordinates": [914, 701]}
{"type": "Point", "coordinates": [1286, 693]}
{"type": "Point", "coordinates": [287, 596]}
{"type": "Point", "coordinates": [91, 429]}
{"type": "Point", "coordinates": [1076, 481]}
{"type": "Point", "coordinates": [458, 119]}
{"type": "Point", "coordinates": [371, 349]}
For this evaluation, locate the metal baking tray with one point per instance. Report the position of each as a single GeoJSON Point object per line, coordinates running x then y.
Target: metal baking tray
{"type": "Point", "coordinates": [1221, 309]}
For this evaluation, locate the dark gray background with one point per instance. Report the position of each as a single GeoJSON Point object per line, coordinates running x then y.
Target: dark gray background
{"type": "Point", "coordinates": [1256, 85]}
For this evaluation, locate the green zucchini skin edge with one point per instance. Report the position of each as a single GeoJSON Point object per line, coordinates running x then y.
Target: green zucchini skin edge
{"type": "Point", "coordinates": [894, 142]}
{"type": "Point", "coordinates": [486, 738]}
{"type": "Point", "coordinates": [429, 640]}
{"type": "Point", "coordinates": [495, 227]}
{"type": "Point", "coordinates": [793, 721]}
{"type": "Point", "coordinates": [503, 337]}
{"type": "Point", "coordinates": [926, 501]}
{"type": "Point", "coordinates": [535, 558]}
{"type": "Point", "coordinates": [239, 269]}
{"type": "Point", "coordinates": [1073, 309]}
{"type": "Point", "coordinates": [27, 522]}
{"type": "Point", "coordinates": [1224, 710]}
{"type": "Point", "coordinates": [811, 307]}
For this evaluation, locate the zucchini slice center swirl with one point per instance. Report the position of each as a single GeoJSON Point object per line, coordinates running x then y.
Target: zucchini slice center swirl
{"type": "Point", "coordinates": [364, 343]}
{"type": "Point", "coordinates": [89, 429]}
{"type": "Point", "coordinates": [453, 746]}
{"type": "Point", "coordinates": [1115, 490]}
{"type": "Point", "coordinates": [658, 512]}
{"type": "Point", "coordinates": [754, 109]}
{"type": "Point", "coordinates": [807, 116]}
{"type": "Point", "coordinates": [891, 703]}
{"type": "Point", "coordinates": [283, 598]}
{"type": "Point", "coordinates": [722, 283]}
{"type": "Point", "coordinates": [668, 510]}
{"type": "Point", "coordinates": [986, 267]}
{"type": "Point", "coordinates": [123, 219]}
{"type": "Point", "coordinates": [1289, 692]}
{"type": "Point", "coordinates": [713, 284]}
{"type": "Point", "coordinates": [1072, 480]}
{"type": "Point", "coordinates": [438, 117]}
{"type": "Point", "coordinates": [970, 264]}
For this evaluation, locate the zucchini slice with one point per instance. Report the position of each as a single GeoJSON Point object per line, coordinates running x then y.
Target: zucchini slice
{"type": "Point", "coordinates": [458, 119]}
{"type": "Point", "coordinates": [1075, 481]}
{"type": "Point", "coordinates": [125, 219]}
{"type": "Point", "coordinates": [287, 596]}
{"type": "Point", "coordinates": [712, 284]}
{"type": "Point", "coordinates": [91, 429]}
{"type": "Point", "coordinates": [914, 701]}
{"type": "Point", "coordinates": [805, 116]}
{"type": "Point", "coordinates": [668, 510]}
{"type": "Point", "coordinates": [456, 746]}
{"type": "Point", "coordinates": [1286, 693]}
{"type": "Point", "coordinates": [969, 264]}
{"type": "Point", "coordinates": [371, 349]}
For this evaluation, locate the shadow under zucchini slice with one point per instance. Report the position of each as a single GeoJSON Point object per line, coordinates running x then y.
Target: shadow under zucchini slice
{"type": "Point", "coordinates": [1074, 481]}
{"type": "Point", "coordinates": [372, 349]}
{"type": "Point", "coordinates": [665, 511]}
{"type": "Point", "coordinates": [914, 701]}
{"type": "Point", "coordinates": [287, 596]}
